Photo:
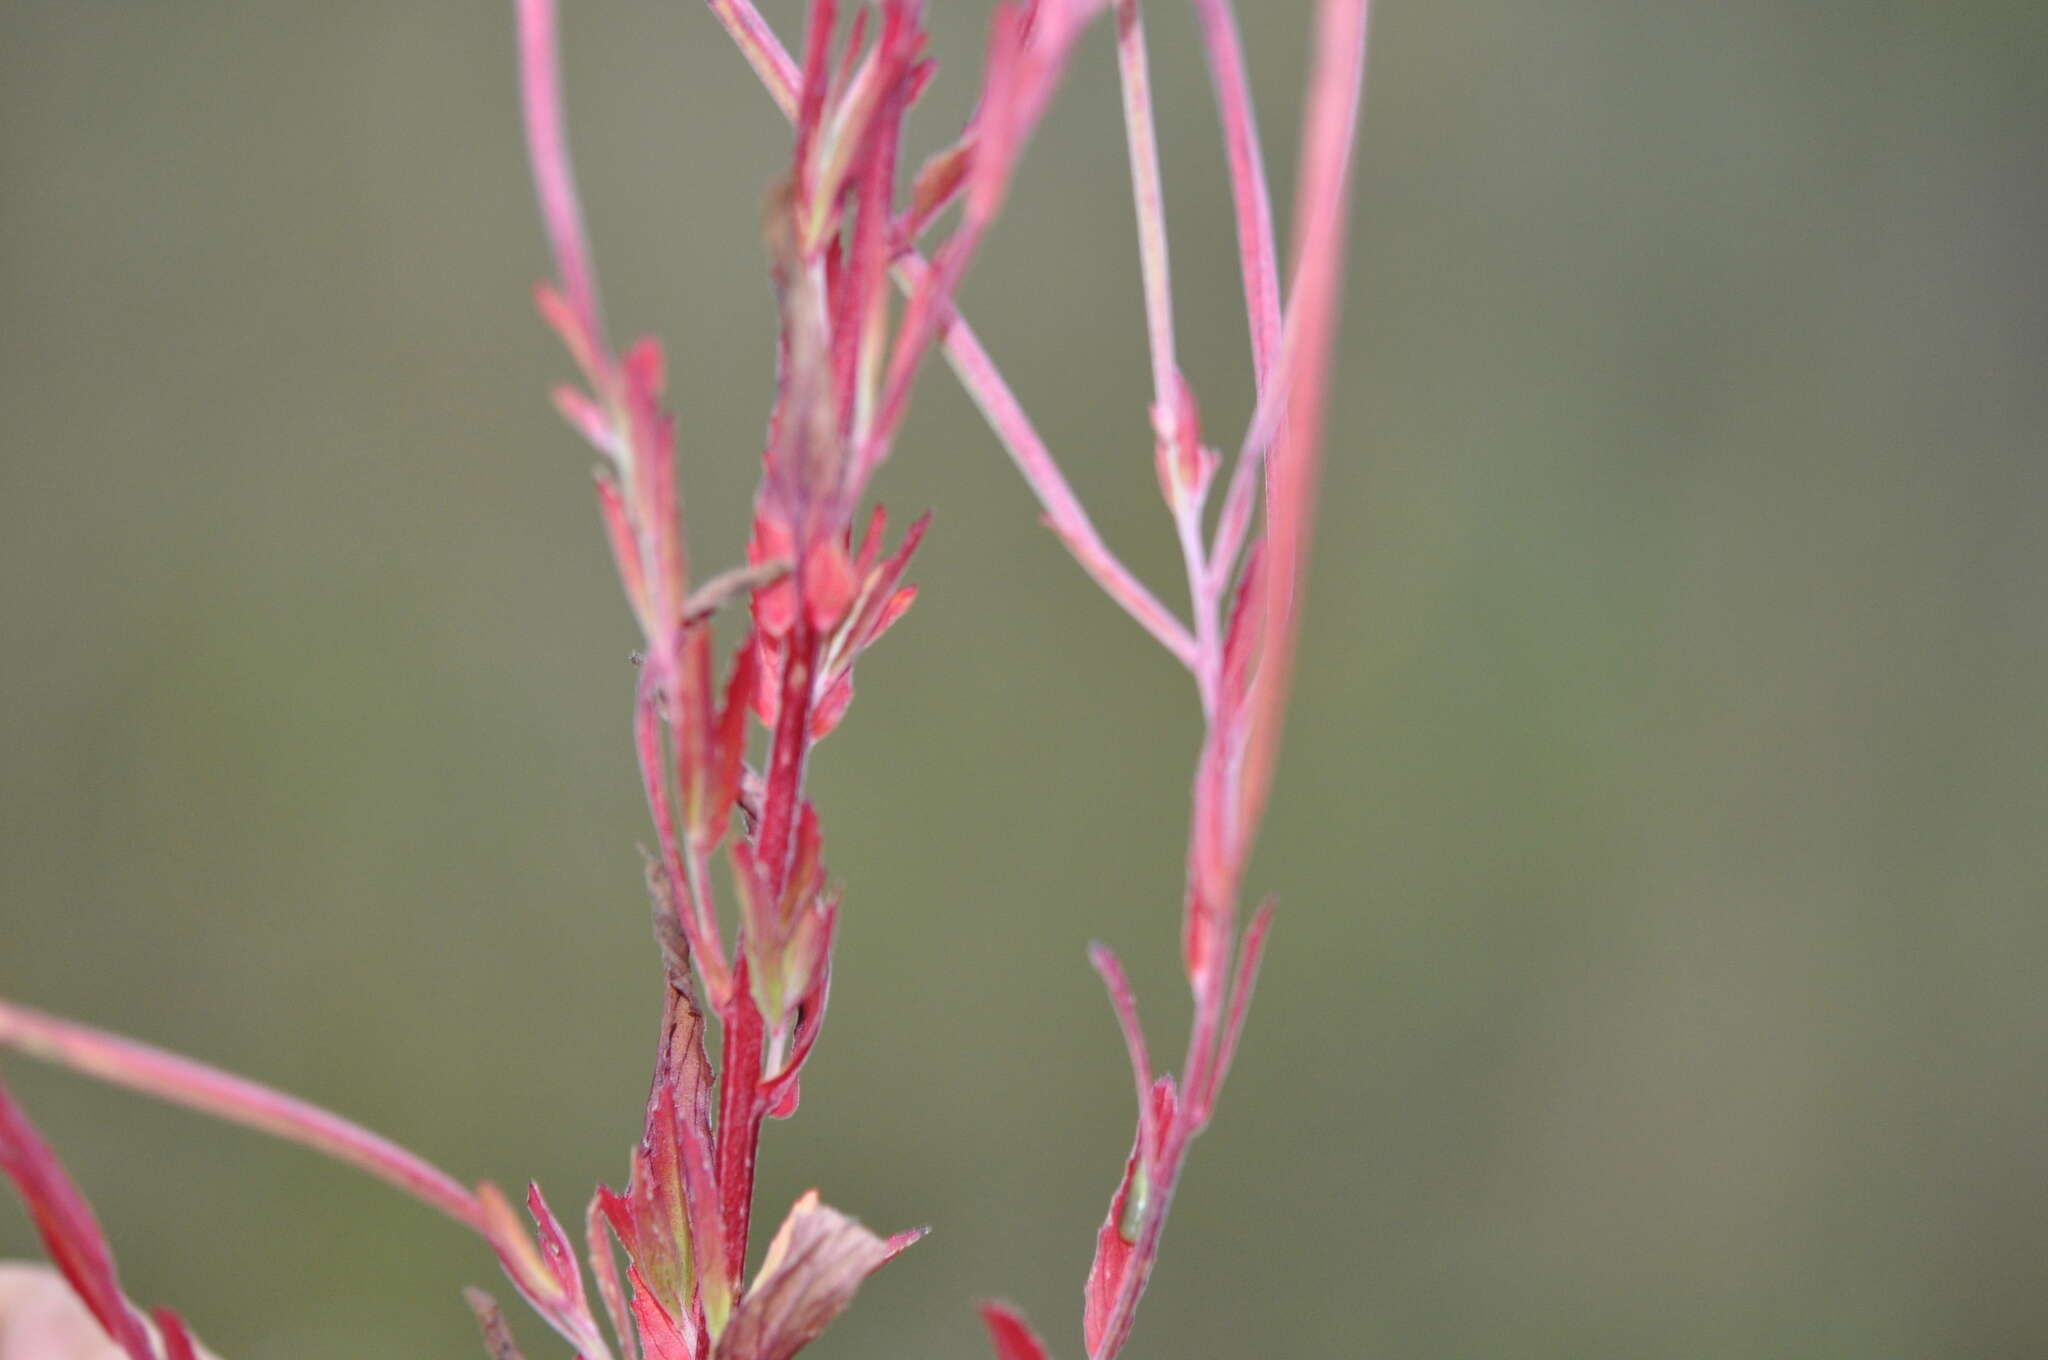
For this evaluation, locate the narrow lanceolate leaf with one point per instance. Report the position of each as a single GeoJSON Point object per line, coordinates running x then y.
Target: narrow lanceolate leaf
{"type": "Point", "coordinates": [554, 1245]}
{"type": "Point", "coordinates": [1122, 1262]}
{"type": "Point", "coordinates": [177, 1342]}
{"type": "Point", "coordinates": [661, 1336]}
{"type": "Point", "coordinates": [605, 1266]}
{"type": "Point", "coordinates": [1012, 1339]}
{"type": "Point", "coordinates": [70, 1233]}
{"type": "Point", "coordinates": [813, 1268]}
{"type": "Point", "coordinates": [1112, 1254]}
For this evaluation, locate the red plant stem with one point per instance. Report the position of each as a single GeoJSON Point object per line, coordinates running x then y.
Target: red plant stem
{"type": "Point", "coordinates": [1150, 200]}
{"type": "Point", "coordinates": [1063, 513]}
{"type": "Point", "coordinates": [1259, 257]}
{"type": "Point", "coordinates": [152, 1071]}
{"type": "Point", "coordinates": [554, 180]}
{"type": "Point", "coordinates": [1169, 409]}
{"type": "Point", "coordinates": [1291, 360]}
{"type": "Point", "coordinates": [1329, 129]}
{"type": "Point", "coordinates": [1327, 136]}
{"type": "Point", "coordinates": [763, 51]}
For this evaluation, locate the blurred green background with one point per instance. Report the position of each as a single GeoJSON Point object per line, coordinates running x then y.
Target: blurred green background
{"type": "Point", "coordinates": [1660, 839]}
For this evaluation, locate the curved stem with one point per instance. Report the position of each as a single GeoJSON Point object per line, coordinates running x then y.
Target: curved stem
{"type": "Point", "coordinates": [184, 1081]}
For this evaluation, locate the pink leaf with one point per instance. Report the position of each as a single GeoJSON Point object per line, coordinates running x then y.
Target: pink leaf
{"type": "Point", "coordinates": [659, 1334]}
{"type": "Point", "coordinates": [618, 530]}
{"type": "Point", "coordinates": [646, 369]}
{"type": "Point", "coordinates": [1241, 638]}
{"type": "Point", "coordinates": [605, 1267]}
{"type": "Point", "coordinates": [832, 706]}
{"type": "Point", "coordinates": [730, 741]}
{"type": "Point", "coordinates": [554, 1245]}
{"type": "Point", "coordinates": [1112, 1257]}
{"type": "Point", "coordinates": [775, 605]}
{"type": "Point", "coordinates": [828, 584]}
{"type": "Point", "coordinates": [70, 1233]}
{"type": "Point", "coordinates": [1008, 1334]}
{"type": "Point", "coordinates": [813, 1268]}
{"type": "Point", "coordinates": [1125, 1003]}
{"type": "Point", "coordinates": [1116, 1243]}
{"type": "Point", "coordinates": [178, 1343]}
{"type": "Point", "coordinates": [1250, 952]}
{"type": "Point", "coordinates": [563, 320]}
{"type": "Point", "coordinates": [587, 418]}
{"type": "Point", "coordinates": [939, 181]}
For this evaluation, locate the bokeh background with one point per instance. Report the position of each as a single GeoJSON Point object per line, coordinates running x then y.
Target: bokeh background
{"type": "Point", "coordinates": [1663, 830]}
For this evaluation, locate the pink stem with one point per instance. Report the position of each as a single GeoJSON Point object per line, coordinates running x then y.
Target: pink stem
{"type": "Point", "coordinates": [1329, 130]}
{"type": "Point", "coordinates": [1063, 512]}
{"type": "Point", "coordinates": [763, 51]}
{"type": "Point", "coordinates": [183, 1081]}
{"type": "Point", "coordinates": [1125, 1003]}
{"type": "Point", "coordinates": [1203, 1101]}
{"type": "Point", "coordinates": [1327, 139]}
{"type": "Point", "coordinates": [1149, 197]}
{"type": "Point", "coordinates": [1259, 257]}
{"type": "Point", "coordinates": [1169, 408]}
{"type": "Point", "coordinates": [553, 178]}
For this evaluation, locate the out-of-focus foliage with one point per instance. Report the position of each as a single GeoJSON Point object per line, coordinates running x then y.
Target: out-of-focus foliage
{"type": "Point", "coordinates": [1659, 835]}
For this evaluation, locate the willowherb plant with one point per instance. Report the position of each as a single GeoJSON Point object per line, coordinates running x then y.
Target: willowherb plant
{"type": "Point", "coordinates": [849, 229]}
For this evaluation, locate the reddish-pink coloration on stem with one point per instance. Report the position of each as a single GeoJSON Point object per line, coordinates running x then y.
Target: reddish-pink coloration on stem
{"type": "Point", "coordinates": [1322, 207]}
{"type": "Point", "coordinates": [181, 1081]}
{"type": "Point", "coordinates": [554, 181]}
{"type": "Point", "coordinates": [1243, 673]}
{"type": "Point", "coordinates": [816, 601]}
{"type": "Point", "coordinates": [1259, 259]}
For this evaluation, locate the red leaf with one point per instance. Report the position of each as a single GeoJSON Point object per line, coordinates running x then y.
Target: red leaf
{"type": "Point", "coordinates": [605, 1267]}
{"type": "Point", "coordinates": [618, 531]}
{"type": "Point", "coordinates": [870, 542]}
{"type": "Point", "coordinates": [939, 181]}
{"type": "Point", "coordinates": [1123, 1225]}
{"type": "Point", "coordinates": [788, 1094]}
{"type": "Point", "coordinates": [659, 1334]}
{"type": "Point", "coordinates": [587, 418]}
{"type": "Point", "coordinates": [828, 584]}
{"type": "Point", "coordinates": [813, 1268]}
{"type": "Point", "coordinates": [646, 369]}
{"type": "Point", "coordinates": [832, 706]}
{"type": "Point", "coordinates": [562, 319]}
{"type": "Point", "coordinates": [554, 1245]}
{"type": "Point", "coordinates": [1241, 639]}
{"type": "Point", "coordinates": [1008, 1334]}
{"type": "Point", "coordinates": [775, 605]}
{"type": "Point", "coordinates": [178, 1343]}
{"type": "Point", "coordinates": [1112, 1259]}
{"type": "Point", "coordinates": [730, 749]}
{"type": "Point", "coordinates": [70, 1234]}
